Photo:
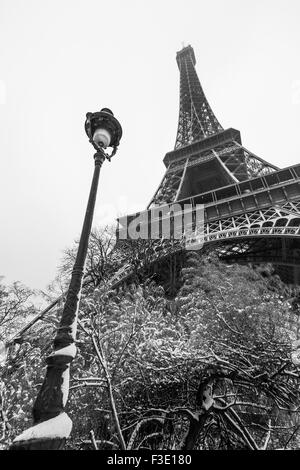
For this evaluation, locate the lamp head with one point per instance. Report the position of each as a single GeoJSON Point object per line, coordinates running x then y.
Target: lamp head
{"type": "Point", "coordinates": [103, 130]}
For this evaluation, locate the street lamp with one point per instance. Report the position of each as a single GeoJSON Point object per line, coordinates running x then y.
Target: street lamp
{"type": "Point", "coordinates": [51, 424]}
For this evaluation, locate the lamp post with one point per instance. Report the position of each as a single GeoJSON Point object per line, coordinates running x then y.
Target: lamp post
{"type": "Point", "coordinates": [51, 424]}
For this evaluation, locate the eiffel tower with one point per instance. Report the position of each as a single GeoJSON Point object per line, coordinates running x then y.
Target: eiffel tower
{"type": "Point", "coordinates": [251, 207]}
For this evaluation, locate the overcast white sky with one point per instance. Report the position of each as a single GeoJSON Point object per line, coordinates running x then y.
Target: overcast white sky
{"type": "Point", "coordinates": [62, 58]}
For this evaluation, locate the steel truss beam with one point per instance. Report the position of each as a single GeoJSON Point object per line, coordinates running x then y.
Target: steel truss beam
{"type": "Point", "coordinates": [240, 164]}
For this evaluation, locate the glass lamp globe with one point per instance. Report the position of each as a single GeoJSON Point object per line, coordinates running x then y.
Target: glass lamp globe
{"type": "Point", "coordinates": [102, 137]}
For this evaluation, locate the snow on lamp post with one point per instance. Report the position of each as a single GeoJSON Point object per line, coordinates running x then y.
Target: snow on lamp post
{"type": "Point", "coordinates": [51, 424]}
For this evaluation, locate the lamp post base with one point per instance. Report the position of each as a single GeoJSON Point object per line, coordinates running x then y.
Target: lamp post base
{"type": "Point", "coordinates": [48, 435]}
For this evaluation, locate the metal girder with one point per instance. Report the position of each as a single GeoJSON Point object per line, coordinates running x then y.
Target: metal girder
{"type": "Point", "coordinates": [237, 161]}
{"type": "Point", "coordinates": [167, 191]}
{"type": "Point", "coordinates": [242, 163]}
{"type": "Point", "coordinates": [275, 220]}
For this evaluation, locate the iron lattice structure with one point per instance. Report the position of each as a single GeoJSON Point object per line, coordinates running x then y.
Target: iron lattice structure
{"type": "Point", "coordinates": [251, 207]}
{"type": "Point", "coordinates": [196, 118]}
{"type": "Point", "coordinates": [234, 161]}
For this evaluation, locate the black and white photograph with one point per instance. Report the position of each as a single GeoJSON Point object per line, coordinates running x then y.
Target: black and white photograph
{"type": "Point", "coordinates": [150, 228]}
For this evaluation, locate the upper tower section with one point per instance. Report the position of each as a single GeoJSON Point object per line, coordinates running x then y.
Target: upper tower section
{"type": "Point", "coordinates": [196, 118]}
